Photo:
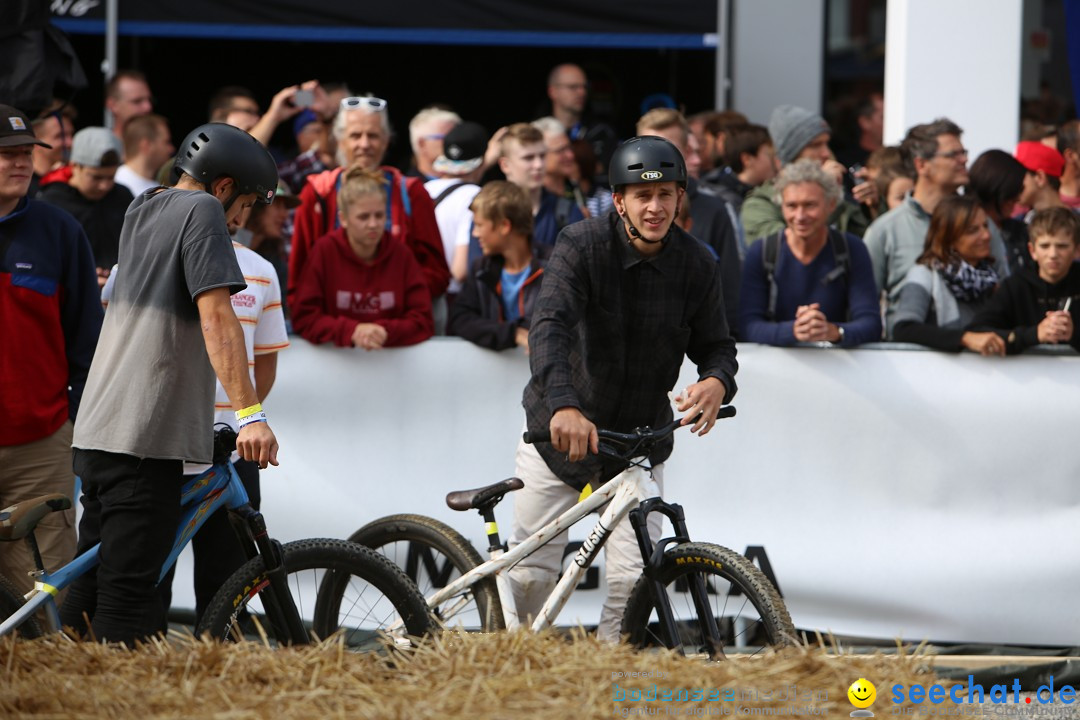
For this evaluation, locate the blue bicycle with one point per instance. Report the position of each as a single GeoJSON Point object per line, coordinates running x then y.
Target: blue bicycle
{"type": "Point", "coordinates": [274, 595]}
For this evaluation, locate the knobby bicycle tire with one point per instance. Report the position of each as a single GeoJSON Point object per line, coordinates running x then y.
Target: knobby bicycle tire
{"type": "Point", "coordinates": [748, 610]}
{"type": "Point", "coordinates": [373, 596]}
{"type": "Point", "coordinates": [415, 544]}
{"type": "Point", "coordinates": [10, 601]}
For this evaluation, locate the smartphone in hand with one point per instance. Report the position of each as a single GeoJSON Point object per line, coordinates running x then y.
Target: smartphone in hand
{"type": "Point", "coordinates": [303, 98]}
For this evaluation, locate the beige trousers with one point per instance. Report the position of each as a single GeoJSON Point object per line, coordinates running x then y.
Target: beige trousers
{"type": "Point", "coordinates": [28, 471]}
{"type": "Point", "coordinates": [543, 499]}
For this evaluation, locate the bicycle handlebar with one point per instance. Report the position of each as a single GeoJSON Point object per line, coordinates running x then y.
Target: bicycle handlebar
{"type": "Point", "coordinates": [224, 443]}
{"type": "Point", "coordinates": [642, 438]}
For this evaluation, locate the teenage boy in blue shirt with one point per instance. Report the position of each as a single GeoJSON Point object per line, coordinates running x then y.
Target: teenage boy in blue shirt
{"type": "Point", "coordinates": [495, 305]}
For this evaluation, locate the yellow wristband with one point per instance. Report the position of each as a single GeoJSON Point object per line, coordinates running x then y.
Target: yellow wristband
{"type": "Point", "coordinates": [241, 414]}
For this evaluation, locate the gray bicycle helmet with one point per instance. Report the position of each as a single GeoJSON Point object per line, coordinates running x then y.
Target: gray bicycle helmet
{"type": "Point", "coordinates": [215, 150]}
{"type": "Point", "coordinates": [644, 160]}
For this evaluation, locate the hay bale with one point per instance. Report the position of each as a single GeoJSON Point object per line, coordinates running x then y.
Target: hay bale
{"type": "Point", "coordinates": [457, 675]}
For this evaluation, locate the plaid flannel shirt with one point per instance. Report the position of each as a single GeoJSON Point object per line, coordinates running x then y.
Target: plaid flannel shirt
{"type": "Point", "coordinates": [610, 330]}
{"type": "Point", "coordinates": [294, 172]}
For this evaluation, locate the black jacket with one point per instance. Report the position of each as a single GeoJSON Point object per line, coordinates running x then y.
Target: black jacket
{"type": "Point", "coordinates": [1022, 301]}
{"type": "Point", "coordinates": [102, 219]}
{"type": "Point", "coordinates": [714, 225]}
{"type": "Point", "coordinates": [477, 312]}
{"type": "Point", "coordinates": [610, 331]}
{"type": "Point", "coordinates": [727, 186]}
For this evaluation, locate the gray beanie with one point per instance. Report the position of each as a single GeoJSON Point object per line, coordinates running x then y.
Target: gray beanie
{"type": "Point", "coordinates": [792, 128]}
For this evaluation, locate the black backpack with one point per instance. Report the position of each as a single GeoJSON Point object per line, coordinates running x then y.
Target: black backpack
{"type": "Point", "coordinates": [771, 253]}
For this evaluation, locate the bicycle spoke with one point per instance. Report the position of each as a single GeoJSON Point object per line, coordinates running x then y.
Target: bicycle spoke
{"type": "Point", "coordinates": [459, 610]}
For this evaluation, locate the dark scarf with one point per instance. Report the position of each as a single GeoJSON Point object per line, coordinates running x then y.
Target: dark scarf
{"type": "Point", "coordinates": [967, 282]}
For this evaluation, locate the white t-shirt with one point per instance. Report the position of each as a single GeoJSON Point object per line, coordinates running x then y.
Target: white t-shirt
{"type": "Point", "coordinates": [453, 216]}
{"type": "Point", "coordinates": [133, 181]}
{"type": "Point", "coordinates": [258, 308]}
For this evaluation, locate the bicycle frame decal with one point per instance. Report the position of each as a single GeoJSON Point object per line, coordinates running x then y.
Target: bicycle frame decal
{"type": "Point", "coordinates": [201, 497]}
{"type": "Point", "coordinates": [192, 489]}
{"type": "Point", "coordinates": [628, 492]}
{"type": "Point", "coordinates": [592, 545]}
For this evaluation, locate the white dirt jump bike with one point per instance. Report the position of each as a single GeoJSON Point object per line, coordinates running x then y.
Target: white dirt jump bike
{"type": "Point", "coordinates": [697, 597]}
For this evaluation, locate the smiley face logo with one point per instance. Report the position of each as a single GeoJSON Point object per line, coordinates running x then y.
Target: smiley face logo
{"type": "Point", "coordinates": [862, 693]}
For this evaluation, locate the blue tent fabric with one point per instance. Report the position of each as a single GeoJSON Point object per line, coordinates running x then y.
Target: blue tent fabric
{"type": "Point", "coordinates": [1072, 36]}
{"type": "Point", "coordinates": [599, 23]}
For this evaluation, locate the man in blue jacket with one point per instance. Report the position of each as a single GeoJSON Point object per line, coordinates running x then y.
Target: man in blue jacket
{"type": "Point", "coordinates": [808, 282]}
{"type": "Point", "coordinates": [50, 314]}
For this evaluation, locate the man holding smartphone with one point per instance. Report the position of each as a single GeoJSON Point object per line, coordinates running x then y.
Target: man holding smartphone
{"type": "Point", "coordinates": [287, 104]}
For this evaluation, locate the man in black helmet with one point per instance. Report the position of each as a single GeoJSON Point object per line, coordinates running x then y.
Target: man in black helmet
{"type": "Point", "coordinates": [149, 399]}
{"type": "Point", "coordinates": [625, 297]}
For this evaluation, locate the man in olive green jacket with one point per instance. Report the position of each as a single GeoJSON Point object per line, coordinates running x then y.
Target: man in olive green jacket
{"type": "Point", "coordinates": [798, 134]}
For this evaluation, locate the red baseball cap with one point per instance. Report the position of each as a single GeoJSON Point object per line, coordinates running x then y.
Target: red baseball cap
{"type": "Point", "coordinates": [1035, 156]}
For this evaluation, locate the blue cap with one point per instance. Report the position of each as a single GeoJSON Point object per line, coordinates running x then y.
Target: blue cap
{"type": "Point", "coordinates": [303, 119]}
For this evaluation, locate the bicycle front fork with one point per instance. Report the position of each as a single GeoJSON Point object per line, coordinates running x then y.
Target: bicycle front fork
{"type": "Point", "coordinates": [653, 559]}
{"type": "Point", "coordinates": [250, 527]}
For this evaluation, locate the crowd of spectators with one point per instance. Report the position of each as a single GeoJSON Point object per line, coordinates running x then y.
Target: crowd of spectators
{"type": "Point", "coordinates": [869, 243]}
{"type": "Point", "coordinates": [881, 263]}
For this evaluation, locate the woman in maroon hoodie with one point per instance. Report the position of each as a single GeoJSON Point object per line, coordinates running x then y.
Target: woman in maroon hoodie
{"type": "Point", "coordinates": [360, 288]}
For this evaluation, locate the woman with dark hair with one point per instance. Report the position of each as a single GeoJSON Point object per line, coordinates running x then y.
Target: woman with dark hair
{"type": "Point", "coordinates": [997, 181]}
{"type": "Point", "coordinates": [950, 282]}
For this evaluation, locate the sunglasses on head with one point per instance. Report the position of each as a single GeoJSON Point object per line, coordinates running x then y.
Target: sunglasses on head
{"type": "Point", "coordinates": [371, 104]}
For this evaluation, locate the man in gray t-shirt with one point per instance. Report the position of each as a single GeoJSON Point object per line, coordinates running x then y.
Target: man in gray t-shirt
{"type": "Point", "coordinates": [149, 398]}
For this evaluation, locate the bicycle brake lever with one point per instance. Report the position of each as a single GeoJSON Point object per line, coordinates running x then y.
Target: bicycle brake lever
{"type": "Point", "coordinates": [608, 450]}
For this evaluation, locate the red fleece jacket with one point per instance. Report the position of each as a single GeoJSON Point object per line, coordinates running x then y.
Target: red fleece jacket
{"type": "Point", "coordinates": [417, 227]}
{"type": "Point", "coordinates": [338, 291]}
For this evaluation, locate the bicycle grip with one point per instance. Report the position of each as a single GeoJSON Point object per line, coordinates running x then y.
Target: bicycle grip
{"type": "Point", "coordinates": [726, 412]}
{"type": "Point", "coordinates": [536, 436]}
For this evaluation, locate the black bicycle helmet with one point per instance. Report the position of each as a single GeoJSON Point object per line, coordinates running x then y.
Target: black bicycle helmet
{"type": "Point", "coordinates": [215, 150]}
{"type": "Point", "coordinates": [644, 160]}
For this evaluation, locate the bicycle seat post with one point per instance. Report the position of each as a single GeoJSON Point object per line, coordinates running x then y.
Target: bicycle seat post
{"type": "Point", "coordinates": [491, 528]}
{"type": "Point", "coordinates": [35, 552]}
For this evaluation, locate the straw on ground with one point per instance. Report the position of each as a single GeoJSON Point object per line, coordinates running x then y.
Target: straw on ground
{"type": "Point", "coordinates": [473, 677]}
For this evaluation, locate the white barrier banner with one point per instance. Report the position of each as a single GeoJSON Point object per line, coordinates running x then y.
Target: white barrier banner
{"type": "Point", "coordinates": [889, 493]}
